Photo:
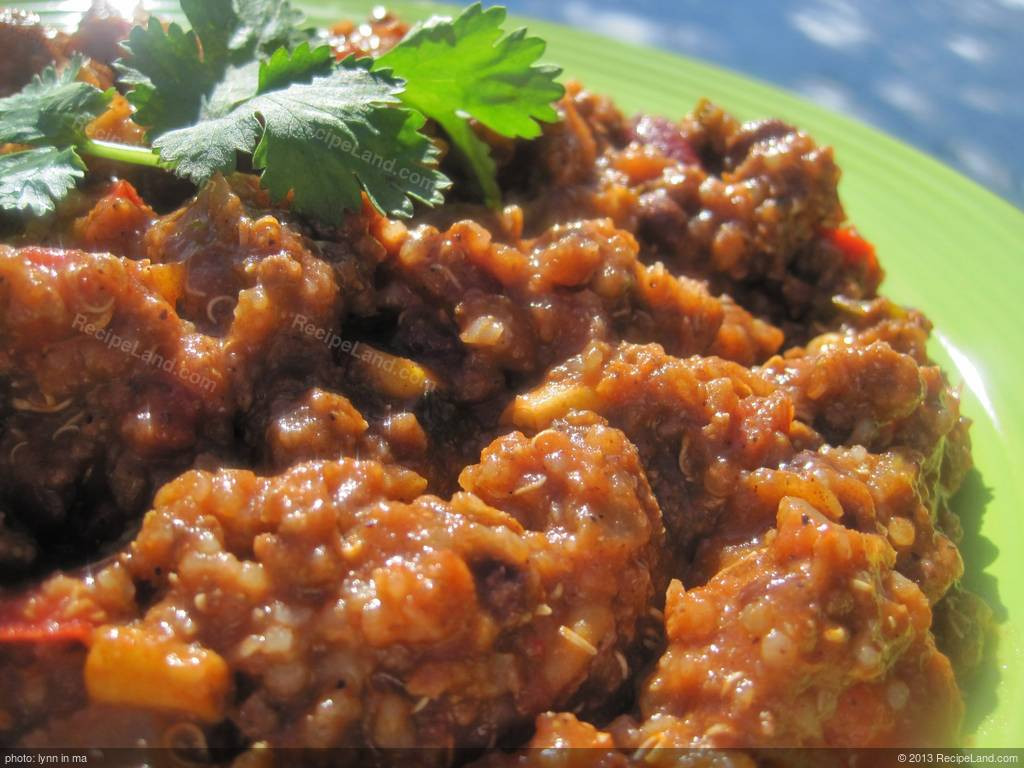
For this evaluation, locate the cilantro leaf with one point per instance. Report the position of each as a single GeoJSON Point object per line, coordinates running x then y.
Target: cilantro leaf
{"type": "Point", "coordinates": [37, 179]}
{"type": "Point", "coordinates": [246, 80]}
{"type": "Point", "coordinates": [239, 84]}
{"type": "Point", "coordinates": [54, 108]}
{"type": "Point", "coordinates": [167, 78]}
{"type": "Point", "coordinates": [372, 152]}
{"type": "Point", "coordinates": [172, 72]}
{"type": "Point", "coordinates": [299, 66]}
{"type": "Point", "coordinates": [469, 67]}
{"type": "Point", "coordinates": [476, 155]}
{"type": "Point", "coordinates": [233, 31]}
{"type": "Point", "coordinates": [262, 26]}
{"type": "Point", "coordinates": [211, 146]}
{"type": "Point", "coordinates": [213, 22]}
{"type": "Point", "coordinates": [319, 141]}
{"type": "Point", "coordinates": [282, 69]}
{"type": "Point", "coordinates": [48, 114]}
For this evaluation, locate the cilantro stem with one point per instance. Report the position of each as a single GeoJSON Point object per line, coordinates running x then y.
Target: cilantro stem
{"type": "Point", "coordinates": [122, 153]}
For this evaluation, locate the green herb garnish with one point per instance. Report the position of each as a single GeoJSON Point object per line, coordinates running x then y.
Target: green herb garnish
{"type": "Point", "coordinates": [36, 179]}
{"type": "Point", "coordinates": [320, 140]}
{"type": "Point", "coordinates": [245, 80]}
{"type": "Point", "coordinates": [46, 117]}
{"type": "Point", "coordinates": [468, 67]}
{"type": "Point", "coordinates": [171, 72]}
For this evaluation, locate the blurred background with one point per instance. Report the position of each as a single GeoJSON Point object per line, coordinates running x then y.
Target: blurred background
{"type": "Point", "coordinates": [946, 76]}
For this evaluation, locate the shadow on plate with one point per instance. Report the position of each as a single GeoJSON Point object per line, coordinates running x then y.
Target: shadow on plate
{"type": "Point", "coordinates": [980, 685]}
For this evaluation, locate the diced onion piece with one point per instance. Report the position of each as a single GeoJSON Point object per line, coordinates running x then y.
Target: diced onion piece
{"type": "Point", "coordinates": [129, 666]}
{"type": "Point", "coordinates": [484, 331]}
{"type": "Point", "coordinates": [539, 408]}
{"type": "Point", "coordinates": [168, 280]}
{"type": "Point", "coordinates": [396, 377]}
{"type": "Point", "coordinates": [902, 533]}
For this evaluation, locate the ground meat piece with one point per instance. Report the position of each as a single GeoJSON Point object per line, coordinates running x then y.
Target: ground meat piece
{"type": "Point", "coordinates": [292, 422]}
{"type": "Point", "coordinates": [356, 250]}
{"type": "Point", "coordinates": [359, 613]}
{"type": "Point", "coordinates": [18, 549]}
{"type": "Point", "coordinates": [898, 509]}
{"type": "Point", "coordinates": [852, 392]}
{"type": "Point", "coordinates": [810, 639]}
{"type": "Point", "coordinates": [904, 329]}
{"type": "Point", "coordinates": [223, 237]}
{"type": "Point", "coordinates": [41, 680]}
{"type": "Point", "coordinates": [254, 283]}
{"type": "Point", "coordinates": [568, 148]}
{"type": "Point", "coordinates": [108, 391]}
{"type": "Point", "coordinates": [871, 383]}
{"type": "Point", "coordinates": [768, 191]}
{"type": "Point", "coordinates": [886, 494]}
{"type": "Point", "coordinates": [43, 632]}
{"type": "Point", "coordinates": [750, 207]}
{"type": "Point", "coordinates": [697, 423]}
{"type": "Point", "coordinates": [856, 388]}
{"type": "Point", "coordinates": [27, 49]}
{"type": "Point", "coordinates": [563, 741]}
{"type": "Point", "coordinates": [100, 33]}
{"type": "Point", "coordinates": [483, 308]}
{"type": "Point", "coordinates": [313, 424]}
{"type": "Point", "coordinates": [743, 337]}
{"type": "Point", "coordinates": [116, 224]}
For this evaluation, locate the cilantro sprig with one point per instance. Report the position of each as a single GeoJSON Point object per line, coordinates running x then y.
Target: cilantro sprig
{"type": "Point", "coordinates": [44, 120]}
{"type": "Point", "coordinates": [320, 140]}
{"type": "Point", "coordinates": [171, 72]}
{"type": "Point", "coordinates": [468, 67]}
{"type": "Point", "coordinates": [246, 80]}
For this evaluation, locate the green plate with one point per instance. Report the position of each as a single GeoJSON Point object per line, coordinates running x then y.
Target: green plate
{"type": "Point", "coordinates": [948, 246]}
